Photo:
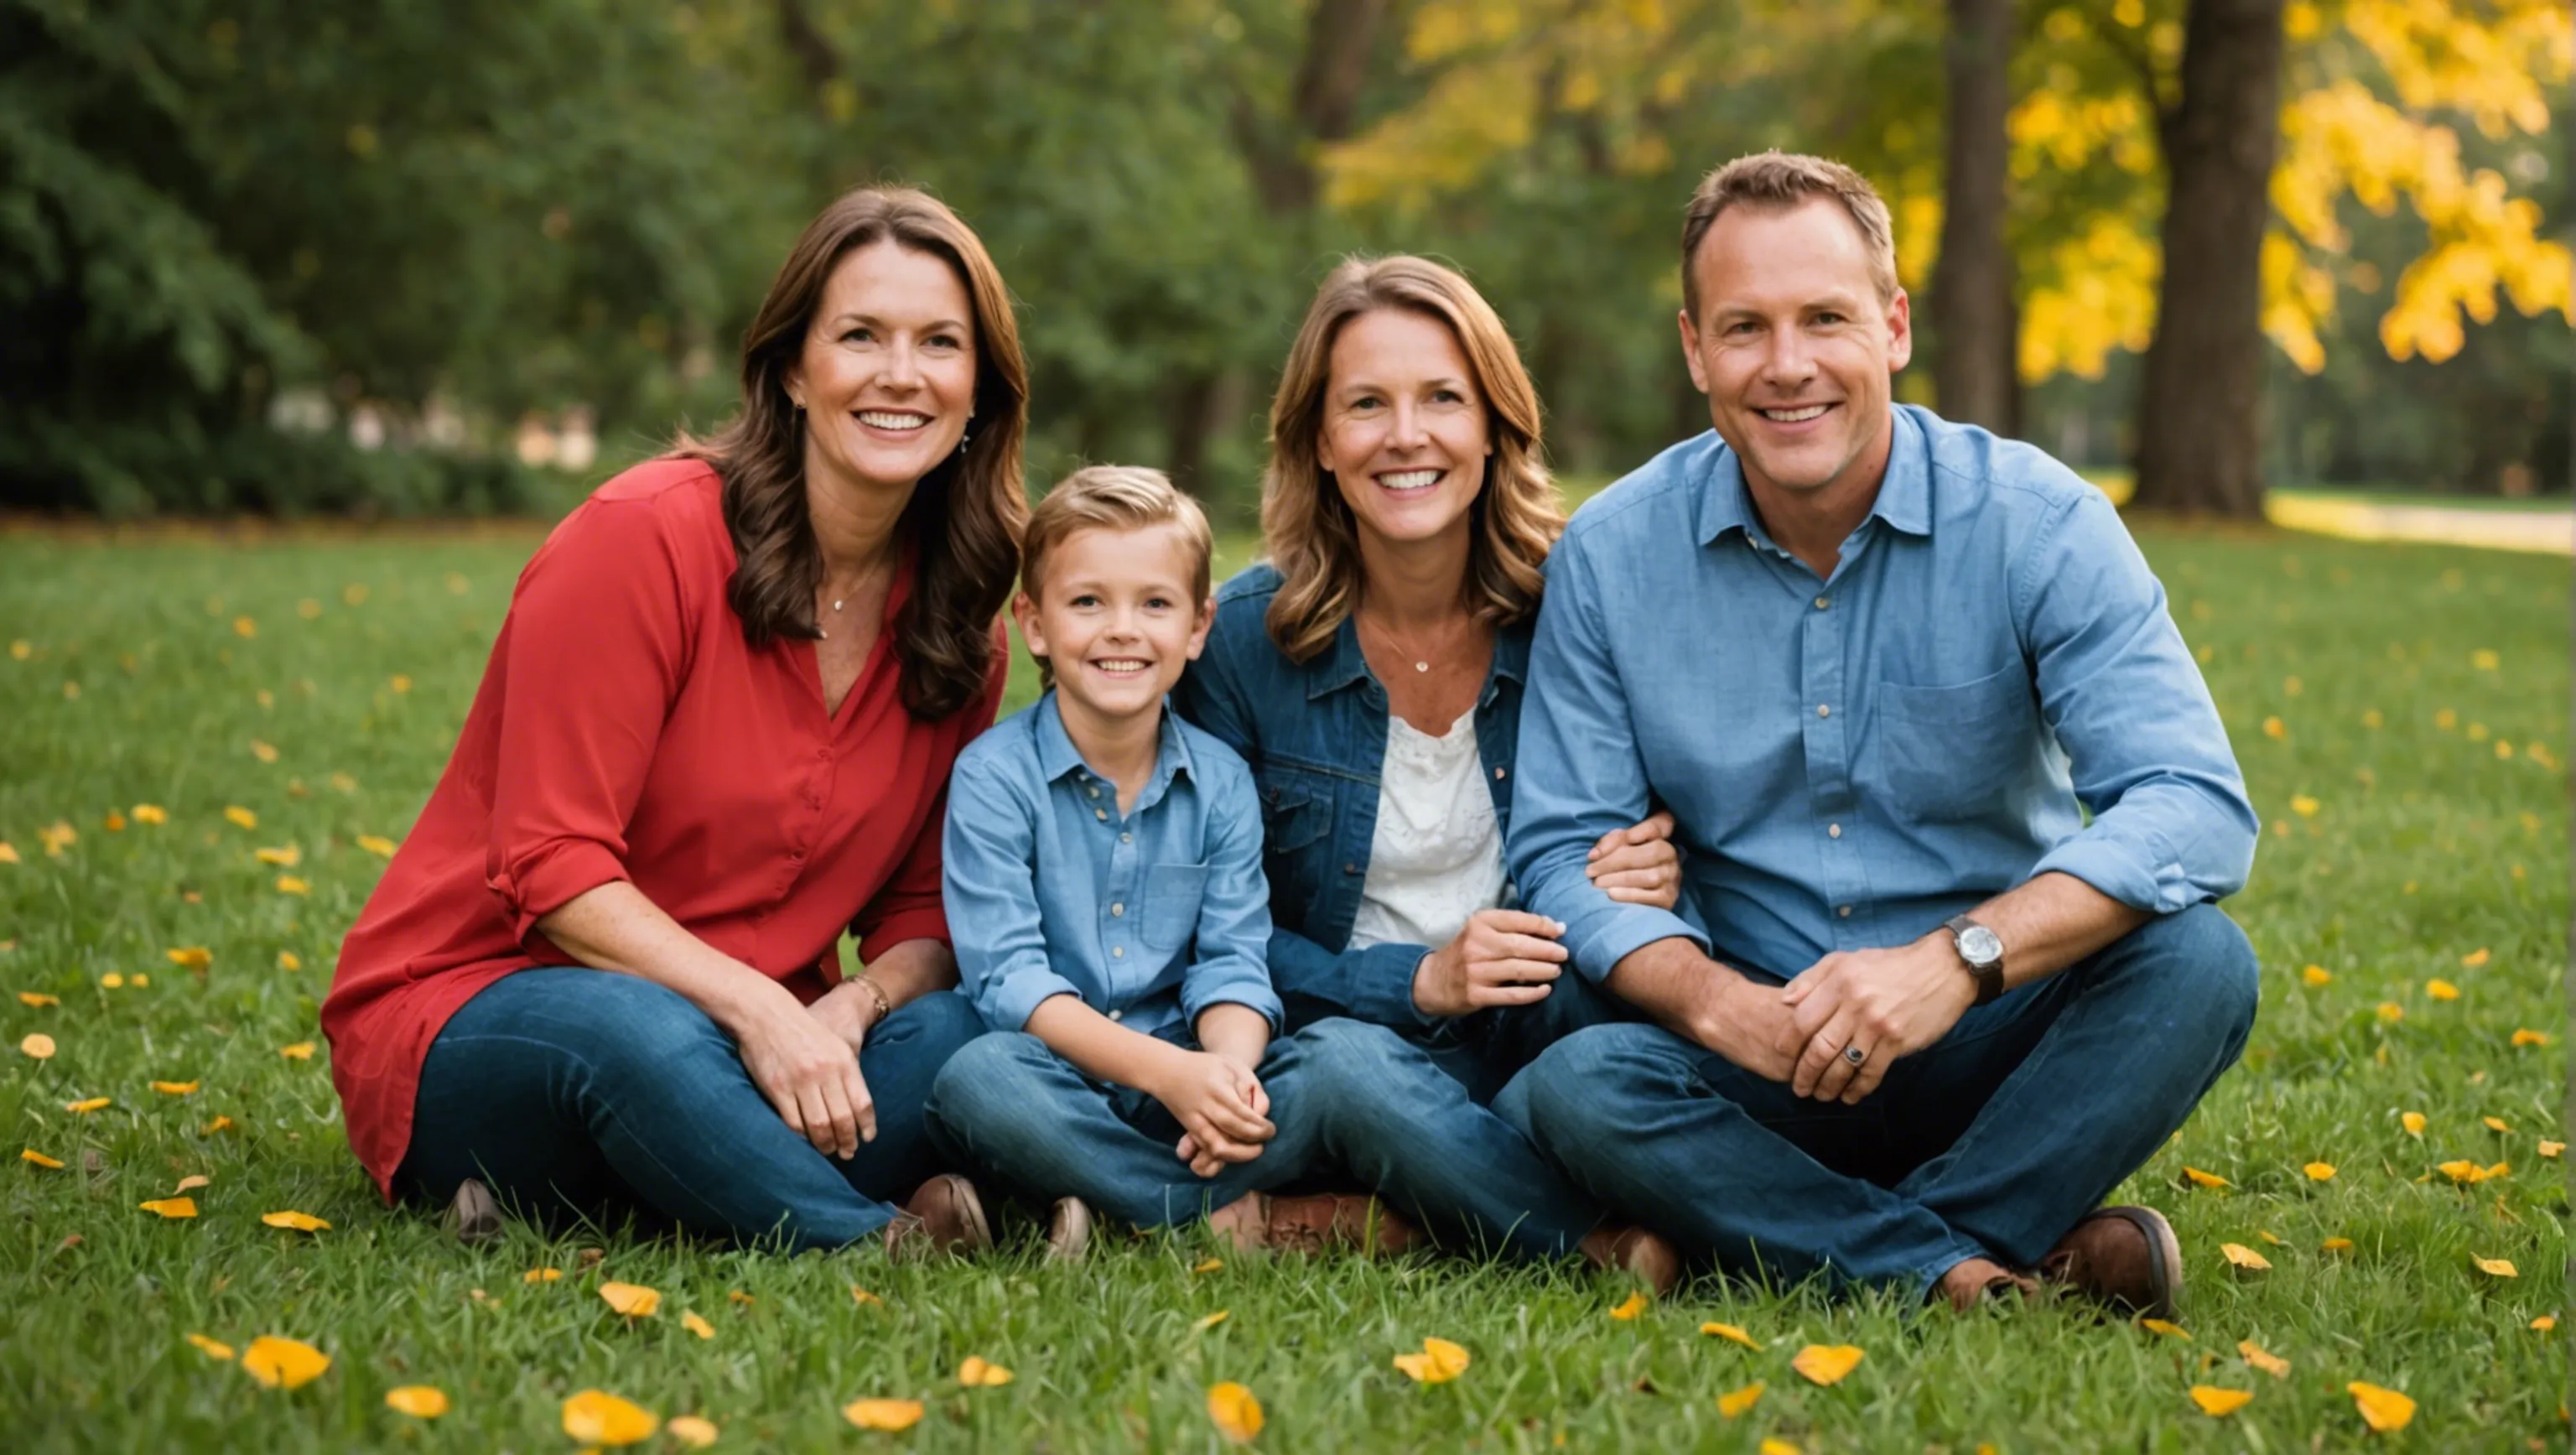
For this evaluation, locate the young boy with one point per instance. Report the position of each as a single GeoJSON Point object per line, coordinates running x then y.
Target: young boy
{"type": "Point", "coordinates": [1105, 894]}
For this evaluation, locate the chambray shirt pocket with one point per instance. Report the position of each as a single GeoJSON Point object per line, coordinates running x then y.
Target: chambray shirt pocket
{"type": "Point", "coordinates": [1172, 896]}
{"type": "Point", "coordinates": [1960, 750]}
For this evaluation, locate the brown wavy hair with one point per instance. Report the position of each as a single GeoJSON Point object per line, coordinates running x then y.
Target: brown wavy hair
{"type": "Point", "coordinates": [1313, 541]}
{"type": "Point", "coordinates": [965, 517]}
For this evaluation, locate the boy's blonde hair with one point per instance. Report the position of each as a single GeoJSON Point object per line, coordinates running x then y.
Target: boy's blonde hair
{"type": "Point", "coordinates": [1113, 497]}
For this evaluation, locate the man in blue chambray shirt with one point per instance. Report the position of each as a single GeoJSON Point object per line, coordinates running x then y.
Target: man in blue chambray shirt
{"type": "Point", "coordinates": [1881, 667]}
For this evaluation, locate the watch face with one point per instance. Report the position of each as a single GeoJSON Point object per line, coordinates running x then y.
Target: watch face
{"type": "Point", "coordinates": [1979, 945]}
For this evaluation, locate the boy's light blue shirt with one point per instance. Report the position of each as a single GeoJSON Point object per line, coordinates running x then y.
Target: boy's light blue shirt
{"type": "Point", "coordinates": [1852, 760]}
{"type": "Point", "coordinates": [1150, 918]}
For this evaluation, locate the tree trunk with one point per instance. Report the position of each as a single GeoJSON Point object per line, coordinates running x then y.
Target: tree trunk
{"type": "Point", "coordinates": [1976, 343]}
{"type": "Point", "coordinates": [1339, 37]}
{"type": "Point", "coordinates": [2200, 407]}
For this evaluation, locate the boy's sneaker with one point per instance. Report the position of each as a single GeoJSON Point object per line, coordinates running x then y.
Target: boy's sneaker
{"type": "Point", "coordinates": [1068, 1235]}
{"type": "Point", "coordinates": [943, 1216]}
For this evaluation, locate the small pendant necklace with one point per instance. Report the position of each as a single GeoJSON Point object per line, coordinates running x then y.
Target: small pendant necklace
{"type": "Point", "coordinates": [1420, 663]}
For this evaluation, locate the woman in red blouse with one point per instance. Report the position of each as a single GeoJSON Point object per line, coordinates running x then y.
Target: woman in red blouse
{"type": "Point", "coordinates": [716, 730]}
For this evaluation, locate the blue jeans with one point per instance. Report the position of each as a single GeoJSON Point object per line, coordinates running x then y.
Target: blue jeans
{"type": "Point", "coordinates": [1990, 1143]}
{"type": "Point", "coordinates": [585, 1093]}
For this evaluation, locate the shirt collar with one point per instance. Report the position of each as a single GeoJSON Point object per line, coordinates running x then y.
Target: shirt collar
{"type": "Point", "coordinates": [1057, 755]}
{"type": "Point", "coordinates": [1904, 492]}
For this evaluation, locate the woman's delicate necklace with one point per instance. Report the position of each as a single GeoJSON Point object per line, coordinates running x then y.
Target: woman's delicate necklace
{"type": "Point", "coordinates": [1421, 661]}
{"type": "Point", "coordinates": [837, 603]}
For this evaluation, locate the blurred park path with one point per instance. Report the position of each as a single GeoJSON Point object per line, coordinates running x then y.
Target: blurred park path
{"type": "Point", "coordinates": [2539, 532]}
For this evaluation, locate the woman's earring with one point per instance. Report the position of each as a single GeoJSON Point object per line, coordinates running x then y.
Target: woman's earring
{"type": "Point", "coordinates": [963, 440]}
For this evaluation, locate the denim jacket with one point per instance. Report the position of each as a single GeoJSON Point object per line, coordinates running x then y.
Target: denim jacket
{"type": "Point", "coordinates": [1315, 736]}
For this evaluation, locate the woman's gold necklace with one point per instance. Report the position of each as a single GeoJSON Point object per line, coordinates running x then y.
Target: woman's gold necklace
{"type": "Point", "coordinates": [838, 603]}
{"type": "Point", "coordinates": [1421, 661]}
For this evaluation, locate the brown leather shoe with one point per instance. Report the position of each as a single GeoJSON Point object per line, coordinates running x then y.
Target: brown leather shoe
{"type": "Point", "coordinates": [1635, 1250]}
{"type": "Point", "coordinates": [2127, 1257]}
{"type": "Point", "coordinates": [943, 1216]}
{"type": "Point", "coordinates": [473, 1215]}
{"type": "Point", "coordinates": [1333, 1220]}
{"type": "Point", "coordinates": [1068, 1236]}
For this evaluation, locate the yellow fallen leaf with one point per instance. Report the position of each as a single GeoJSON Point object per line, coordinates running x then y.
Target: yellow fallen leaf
{"type": "Point", "coordinates": [2273, 727]}
{"type": "Point", "coordinates": [2381, 1409]}
{"type": "Point", "coordinates": [37, 999]}
{"type": "Point", "coordinates": [2545, 1322]}
{"type": "Point", "coordinates": [2413, 1122]}
{"type": "Point", "coordinates": [300, 1222]}
{"type": "Point", "coordinates": [1207, 1265]}
{"type": "Point", "coordinates": [1439, 1362]}
{"type": "Point", "coordinates": [2319, 1171]}
{"type": "Point", "coordinates": [2219, 1403]}
{"type": "Point", "coordinates": [697, 1326]}
{"type": "Point", "coordinates": [85, 1106]}
{"type": "Point", "coordinates": [37, 1046]}
{"type": "Point", "coordinates": [2199, 1178]}
{"type": "Point", "coordinates": [2304, 806]}
{"type": "Point", "coordinates": [2168, 1329]}
{"type": "Point", "coordinates": [282, 1363]}
{"type": "Point", "coordinates": [693, 1431]}
{"type": "Point", "coordinates": [2263, 1359]}
{"type": "Point", "coordinates": [1827, 1363]}
{"type": "Point", "coordinates": [1209, 1321]}
{"type": "Point", "coordinates": [151, 813]}
{"type": "Point", "coordinates": [977, 1373]}
{"type": "Point", "coordinates": [2551, 1149]}
{"type": "Point", "coordinates": [219, 1124]}
{"type": "Point", "coordinates": [2391, 1012]}
{"type": "Point", "coordinates": [2441, 990]}
{"type": "Point", "coordinates": [862, 1297]}
{"type": "Point", "coordinates": [882, 1414]}
{"type": "Point", "coordinates": [383, 848]}
{"type": "Point", "coordinates": [2336, 1245]}
{"type": "Point", "coordinates": [8, 854]}
{"type": "Point", "coordinates": [289, 884]}
{"type": "Point", "coordinates": [1736, 1401]}
{"type": "Point", "coordinates": [2317, 975]}
{"type": "Point", "coordinates": [2527, 1037]}
{"type": "Point", "coordinates": [2462, 1171]}
{"type": "Point", "coordinates": [1773, 1445]}
{"type": "Point", "coordinates": [2496, 1267]}
{"type": "Point", "coordinates": [631, 1299]}
{"type": "Point", "coordinates": [420, 1401]}
{"type": "Point", "coordinates": [192, 957]}
{"type": "Point", "coordinates": [746, 1300]}
{"type": "Point", "coordinates": [300, 1051]}
{"type": "Point", "coordinates": [1732, 1333]}
{"type": "Point", "coordinates": [286, 856]}
{"type": "Point", "coordinates": [115, 822]}
{"type": "Point", "coordinates": [2499, 1169]}
{"type": "Point", "coordinates": [211, 1348]}
{"type": "Point", "coordinates": [289, 960]}
{"type": "Point", "coordinates": [172, 1207]}
{"type": "Point", "coordinates": [30, 1154]}
{"type": "Point", "coordinates": [1631, 1306]}
{"type": "Point", "coordinates": [2268, 1236]}
{"type": "Point", "coordinates": [264, 752]}
{"type": "Point", "coordinates": [192, 1182]}
{"type": "Point", "coordinates": [2474, 958]}
{"type": "Point", "coordinates": [1234, 1412]}
{"type": "Point", "coordinates": [244, 626]}
{"type": "Point", "coordinates": [542, 1275]}
{"type": "Point", "coordinates": [112, 980]}
{"type": "Point", "coordinates": [2495, 1124]}
{"type": "Point", "coordinates": [175, 1088]}
{"type": "Point", "coordinates": [240, 817]}
{"type": "Point", "coordinates": [596, 1417]}
{"type": "Point", "coordinates": [2245, 1258]}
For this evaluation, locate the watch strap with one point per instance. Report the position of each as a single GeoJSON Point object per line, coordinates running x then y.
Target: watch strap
{"type": "Point", "coordinates": [1988, 974]}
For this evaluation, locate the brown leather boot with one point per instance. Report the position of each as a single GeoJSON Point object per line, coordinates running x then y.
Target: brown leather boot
{"type": "Point", "coordinates": [1068, 1236]}
{"type": "Point", "coordinates": [2127, 1257]}
{"type": "Point", "coordinates": [943, 1216]}
{"type": "Point", "coordinates": [473, 1215]}
{"type": "Point", "coordinates": [1976, 1281]}
{"type": "Point", "coordinates": [1634, 1250]}
{"type": "Point", "coordinates": [1315, 1223]}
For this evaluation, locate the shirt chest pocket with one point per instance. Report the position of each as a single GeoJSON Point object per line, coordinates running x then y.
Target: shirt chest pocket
{"type": "Point", "coordinates": [1172, 895]}
{"type": "Point", "coordinates": [1957, 751]}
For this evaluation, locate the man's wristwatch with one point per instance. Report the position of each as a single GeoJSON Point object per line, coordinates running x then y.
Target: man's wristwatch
{"type": "Point", "coordinates": [1983, 950]}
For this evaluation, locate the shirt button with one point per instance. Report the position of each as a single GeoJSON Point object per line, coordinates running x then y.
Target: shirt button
{"type": "Point", "coordinates": [1102, 814]}
{"type": "Point", "coordinates": [1118, 1015]}
{"type": "Point", "coordinates": [1833, 831]}
{"type": "Point", "coordinates": [1118, 952]}
{"type": "Point", "coordinates": [1823, 710]}
{"type": "Point", "coordinates": [1844, 910]}
{"type": "Point", "coordinates": [1823, 601]}
{"type": "Point", "coordinates": [1094, 792]}
{"type": "Point", "coordinates": [1117, 909]}
{"type": "Point", "coordinates": [1350, 868]}
{"type": "Point", "coordinates": [1122, 838]}
{"type": "Point", "coordinates": [1499, 772]}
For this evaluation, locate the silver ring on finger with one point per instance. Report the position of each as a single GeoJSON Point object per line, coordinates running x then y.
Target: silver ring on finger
{"type": "Point", "coordinates": [1855, 1055]}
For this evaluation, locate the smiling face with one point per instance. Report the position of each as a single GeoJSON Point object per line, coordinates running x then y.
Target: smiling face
{"type": "Point", "coordinates": [887, 374]}
{"type": "Point", "coordinates": [1115, 618]}
{"type": "Point", "coordinates": [1404, 433]}
{"type": "Point", "coordinates": [1794, 348]}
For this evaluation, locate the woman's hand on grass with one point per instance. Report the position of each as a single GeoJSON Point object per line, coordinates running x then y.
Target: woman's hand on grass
{"type": "Point", "coordinates": [1502, 957]}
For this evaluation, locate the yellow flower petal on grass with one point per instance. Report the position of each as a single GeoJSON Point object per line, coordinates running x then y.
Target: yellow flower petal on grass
{"type": "Point", "coordinates": [1439, 1362]}
{"type": "Point", "coordinates": [2474, 958]}
{"type": "Point", "coordinates": [289, 1218]}
{"type": "Point", "coordinates": [420, 1401]}
{"type": "Point", "coordinates": [2551, 1149]}
{"type": "Point", "coordinates": [1772, 1445]}
{"type": "Point", "coordinates": [2413, 1122]}
{"type": "Point", "coordinates": [596, 1417]}
{"type": "Point", "coordinates": [383, 848]}
{"type": "Point", "coordinates": [282, 1363]}
{"type": "Point", "coordinates": [2263, 1359]}
{"type": "Point", "coordinates": [285, 856]}
{"type": "Point", "coordinates": [2335, 1245]}
{"type": "Point", "coordinates": [2462, 1171]}
{"type": "Point", "coordinates": [192, 1182]}
{"type": "Point", "coordinates": [300, 1051]}
{"type": "Point", "coordinates": [2391, 1012]}
{"type": "Point", "coordinates": [2245, 1258]}
{"type": "Point", "coordinates": [2381, 1409]}
{"type": "Point", "coordinates": [2496, 1267]}
{"type": "Point", "coordinates": [882, 1414]}
{"type": "Point", "coordinates": [542, 1275]}
{"type": "Point", "coordinates": [171, 1207]}
{"type": "Point", "coordinates": [191, 957]}
{"type": "Point", "coordinates": [1631, 1306]}
{"type": "Point", "coordinates": [1736, 1401]}
{"type": "Point", "coordinates": [2198, 1178]}
{"type": "Point", "coordinates": [1234, 1412]}
{"type": "Point", "coordinates": [2304, 806]}
{"type": "Point", "coordinates": [1827, 1363]}
{"type": "Point", "coordinates": [2168, 1329]}
{"type": "Point", "coordinates": [632, 1299]}
{"type": "Point", "coordinates": [37, 999]}
{"type": "Point", "coordinates": [697, 1326]}
{"type": "Point", "coordinates": [2316, 975]}
{"type": "Point", "coordinates": [2319, 1171]}
{"type": "Point", "coordinates": [175, 1088]}
{"type": "Point", "coordinates": [863, 1298]}
{"type": "Point", "coordinates": [2527, 1037]}
{"type": "Point", "coordinates": [219, 1124]}
{"type": "Point", "coordinates": [289, 960]}
{"type": "Point", "coordinates": [2218, 1403]}
{"type": "Point", "coordinates": [151, 813]}
{"type": "Point", "coordinates": [691, 1430]}
{"type": "Point", "coordinates": [289, 884]}
{"type": "Point", "coordinates": [1207, 1265]}
{"type": "Point", "coordinates": [86, 1106]}
{"type": "Point", "coordinates": [979, 1373]}
{"type": "Point", "coordinates": [211, 1348]}
{"type": "Point", "coordinates": [1209, 1321]}
{"type": "Point", "coordinates": [2495, 1124]}
{"type": "Point", "coordinates": [37, 1046]}
{"type": "Point", "coordinates": [30, 1154]}
{"type": "Point", "coordinates": [240, 817]}
{"type": "Point", "coordinates": [2545, 1322]}
{"type": "Point", "coordinates": [1732, 1333]}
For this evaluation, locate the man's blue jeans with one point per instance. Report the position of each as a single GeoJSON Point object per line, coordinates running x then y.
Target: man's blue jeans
{"type": "Point", "coordinates": [591, 1094]}
{"type": "Point", "coordinates": [1990, 1143]}
{"type": "Point", "coordinates": [1345, 1096]}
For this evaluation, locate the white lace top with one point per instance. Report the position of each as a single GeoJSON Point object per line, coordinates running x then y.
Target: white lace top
{"type": "Point", "coordinates": [1437, 857]}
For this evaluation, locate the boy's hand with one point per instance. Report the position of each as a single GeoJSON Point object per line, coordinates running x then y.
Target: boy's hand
{"type": "Point", "coordinates": [1220, 1105]}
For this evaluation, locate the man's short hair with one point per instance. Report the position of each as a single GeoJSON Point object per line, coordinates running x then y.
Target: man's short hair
{"type": "Point", "coordinates": [1115, 497]}
{"type": "Point", "coordinates": [1777, 181]}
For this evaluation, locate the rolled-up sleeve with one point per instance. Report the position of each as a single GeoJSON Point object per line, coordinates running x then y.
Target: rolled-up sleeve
{"type": "Point", "coordinates": [596, 647]}
{"type": "Point", "coordinates": [1582, 774]}
{"type": "Point", "coordinates": [1229, 962]}
{"type": "Point", "coordinates": [991, 879]}
{"type": "Point", "coordinates": [911, 906]}
{"type": "Point", "coordinates": [2171, 825]}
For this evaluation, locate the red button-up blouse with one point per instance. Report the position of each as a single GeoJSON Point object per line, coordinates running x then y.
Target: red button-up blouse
{"type": "Point", "coordinates": [624, 730]}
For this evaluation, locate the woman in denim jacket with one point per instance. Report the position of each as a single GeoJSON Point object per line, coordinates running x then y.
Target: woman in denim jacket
{"type": "Point", "coordinates": [1371, 672]}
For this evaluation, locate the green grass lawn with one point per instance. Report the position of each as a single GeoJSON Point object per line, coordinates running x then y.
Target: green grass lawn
{"type": "Point", "coordinates": [2401, 713]}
